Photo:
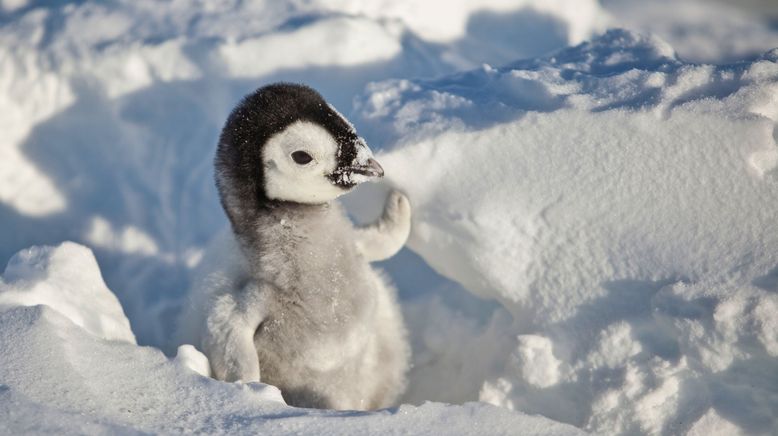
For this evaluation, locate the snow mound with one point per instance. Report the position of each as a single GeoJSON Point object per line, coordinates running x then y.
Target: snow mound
{"type": "Point", "coordinates": [621, 204]}
{"type": "Point", "coordinates": [67, 279]}
{"type": "Point", "coordinates": [57, 377]}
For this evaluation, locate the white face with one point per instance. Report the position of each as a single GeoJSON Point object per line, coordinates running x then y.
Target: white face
{"type": "Point", "coordinates": [297, 162]}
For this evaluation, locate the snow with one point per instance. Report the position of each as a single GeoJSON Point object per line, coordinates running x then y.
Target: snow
{"type": "Point", "coordinates": [98, 381]}
{"type": "Point", "coordinates": [704, 31]}
{"type": "Point", "coordinates": [618, 202]}
{"type": "Point", "coordinates": [68, 281]}
{"type": "Point", "coordinates": [111, 111]}
{"type": "Point", "coordinates": [578, 196]}
{"type": "Point", "coordinates": [377, 43]}
{"type": "Point", "coordinates": [600, 220]}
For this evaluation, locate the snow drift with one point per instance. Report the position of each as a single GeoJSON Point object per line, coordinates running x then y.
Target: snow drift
{"type": "Point", "coordinates": [98, 380]}
{"type": "Point", "coordinates": [621, 205]}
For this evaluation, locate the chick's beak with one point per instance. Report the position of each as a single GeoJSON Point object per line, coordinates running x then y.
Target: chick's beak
{"type": "Point", "coordinates": [370, 169]}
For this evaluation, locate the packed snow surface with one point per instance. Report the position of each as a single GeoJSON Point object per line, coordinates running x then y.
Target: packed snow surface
{"type": "Point", "coordinates": [613, 204]}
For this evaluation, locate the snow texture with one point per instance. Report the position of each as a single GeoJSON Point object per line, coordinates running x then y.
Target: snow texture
{"type": "Point", "coordinates": [718, 31]}
{"type": "Point", "coordinates": [598, 208]}
{"type": "Point", "coordinates": [621, 205]}
{"type": "Point", "coordinates": [68, 281]}
{"type": "Point", "coordinates": [98, 385]}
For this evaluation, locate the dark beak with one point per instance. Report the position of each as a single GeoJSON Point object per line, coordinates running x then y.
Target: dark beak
{"type": "Point", "coordinates": [371, 169]}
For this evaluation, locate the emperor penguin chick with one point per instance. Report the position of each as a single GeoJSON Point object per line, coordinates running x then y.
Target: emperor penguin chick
{"type": "Point", "coordinates": [290, 298]}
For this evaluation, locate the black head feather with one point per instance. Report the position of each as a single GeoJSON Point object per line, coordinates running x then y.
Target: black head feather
{"type": "Point", "coordinates": [259, 116]}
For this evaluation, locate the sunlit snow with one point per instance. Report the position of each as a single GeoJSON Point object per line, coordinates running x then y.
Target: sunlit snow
{"type": "Point", "coordinates": [594, 191]}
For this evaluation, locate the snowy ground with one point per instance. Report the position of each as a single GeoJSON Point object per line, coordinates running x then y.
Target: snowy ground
{"type": "Point", "coordinates": [594, 234]}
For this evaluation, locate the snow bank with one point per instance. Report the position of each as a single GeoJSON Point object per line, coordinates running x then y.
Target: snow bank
{"type": "Point", "coordinates": [57, 377]}
{"type": "Point", "coordinates": [621, 205]}
{"type": "Point", "coordinates": [68, 280]}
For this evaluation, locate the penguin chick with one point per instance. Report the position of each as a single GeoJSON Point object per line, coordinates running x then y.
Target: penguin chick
{"type": "Point", "coordinates": [289, 297]}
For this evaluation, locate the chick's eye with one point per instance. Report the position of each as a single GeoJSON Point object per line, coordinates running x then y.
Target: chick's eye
{"type": "Point", "coordinates": [301, 157]}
